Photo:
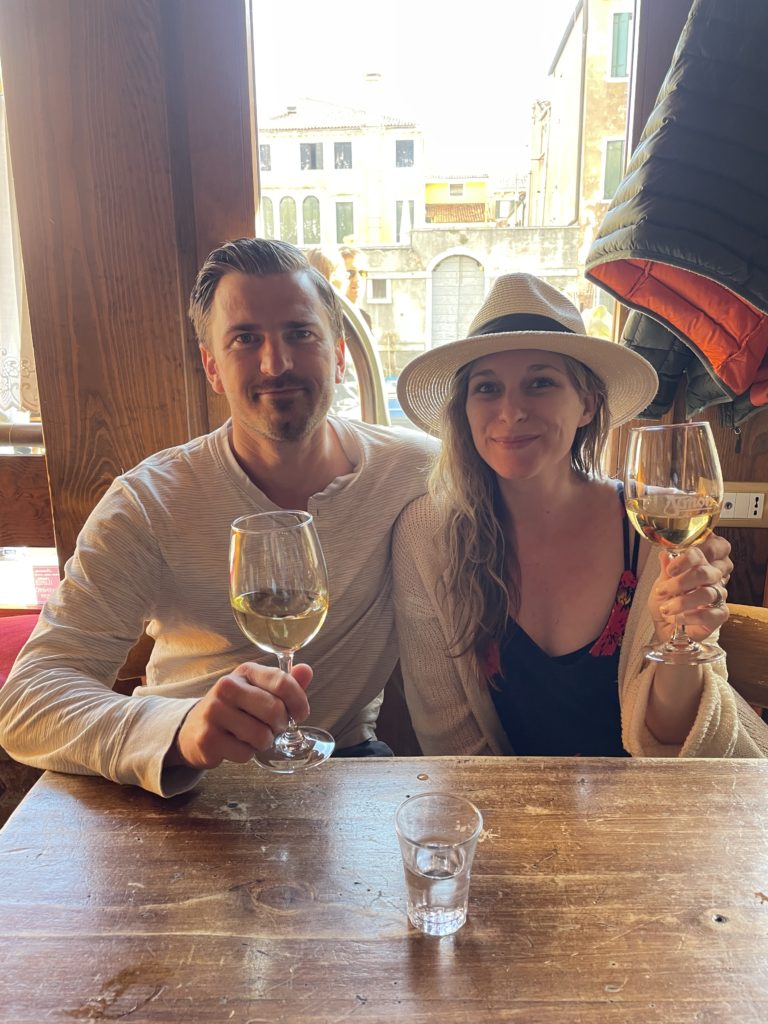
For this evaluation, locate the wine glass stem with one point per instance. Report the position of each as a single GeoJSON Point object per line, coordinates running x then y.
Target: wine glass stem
{"type": "Point", "coordinates": [679, 640]}
{"type": "Point", "coordinates": [292, 740]}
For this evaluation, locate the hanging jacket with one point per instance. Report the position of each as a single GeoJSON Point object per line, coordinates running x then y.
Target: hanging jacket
{"type": "Point", "coordinates": [685, 239]}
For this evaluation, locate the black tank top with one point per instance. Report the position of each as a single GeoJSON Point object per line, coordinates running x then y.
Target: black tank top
{"type": "Point", "coordinates": [566, 706]}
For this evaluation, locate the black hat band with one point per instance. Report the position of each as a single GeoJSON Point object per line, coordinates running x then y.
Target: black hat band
{"type": "Point", "coordinates": [515, 322]}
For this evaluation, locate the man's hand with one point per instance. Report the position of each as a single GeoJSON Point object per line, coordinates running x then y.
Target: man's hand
{"type": "Point", "coordinates": [241, 713]}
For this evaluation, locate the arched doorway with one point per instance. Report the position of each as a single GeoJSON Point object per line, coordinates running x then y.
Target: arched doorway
{"type": "Point", "coordinates": [458, 289]}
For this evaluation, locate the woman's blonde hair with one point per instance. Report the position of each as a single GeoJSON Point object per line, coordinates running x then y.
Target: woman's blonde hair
{"type": "Point", "coordinates": [483, 575]}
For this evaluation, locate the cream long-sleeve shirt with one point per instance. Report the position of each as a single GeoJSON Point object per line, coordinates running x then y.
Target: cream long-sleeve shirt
{"type": "Point", "coordinates": [450, 704]}
{"type": "Point", "coordinates": [155, 550]}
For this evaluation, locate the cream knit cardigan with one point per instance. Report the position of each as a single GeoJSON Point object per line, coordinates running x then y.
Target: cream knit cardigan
{"type": "Point", "coordinates": [450, 704]}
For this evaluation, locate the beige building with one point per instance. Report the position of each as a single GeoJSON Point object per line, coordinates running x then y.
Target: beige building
{"type": "Point", "coordinates": [332, 174]}
{"type": "Point", "coordinates": [432, 243]}
{"type": "Point", "coordinates": [578, 133]}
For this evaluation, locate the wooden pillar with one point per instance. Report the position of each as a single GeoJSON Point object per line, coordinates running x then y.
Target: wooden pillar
{"type": "Point", "coordinates": [131, 139]}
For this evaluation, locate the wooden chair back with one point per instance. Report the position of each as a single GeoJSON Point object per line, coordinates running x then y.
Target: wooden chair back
{"type": "Point", "coordinates": [744, 638]}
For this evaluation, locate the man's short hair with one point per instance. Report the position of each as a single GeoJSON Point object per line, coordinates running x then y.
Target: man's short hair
{"type": "Point", "coordinates": [260, 257]}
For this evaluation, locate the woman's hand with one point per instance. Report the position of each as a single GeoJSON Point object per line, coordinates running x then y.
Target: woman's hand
{"type": "Point", "coordinates": [691, 590]}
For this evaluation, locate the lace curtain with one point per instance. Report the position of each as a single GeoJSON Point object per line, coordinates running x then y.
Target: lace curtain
{"type": "Point", "coordinates": [19, 400]}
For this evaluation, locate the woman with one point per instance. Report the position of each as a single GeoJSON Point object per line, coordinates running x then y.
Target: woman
{"type": "Point", "coordinates": [523, 597]}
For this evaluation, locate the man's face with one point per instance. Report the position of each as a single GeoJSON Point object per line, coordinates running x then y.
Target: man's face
{"type": "Point", "coordinates": [272, 353]}
{"type": "Point", "coordinates": [355, 278]}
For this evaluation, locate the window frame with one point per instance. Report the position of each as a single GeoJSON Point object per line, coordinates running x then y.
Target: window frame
{"type": "Point", "coordinates": [398, 211]}
{"type": "Point", "coordinates": [344, 202]}
{"type": "Point", "coordinates": [315, 149]}
{"type": "Point", "coordinates": [347, 148]}
{"type": "Point", "coordinates": [405, 142]}
{"type": "Point", "coordinates": [285, 200]}
{"type": "Point", "coordinates": [387, 298]}
{"type": "Point", "coordinates": [607, 143]}
{"type": "Point", "coordinates": [622, 12]}
{"type": "Point", "coordinates": [317, 236]}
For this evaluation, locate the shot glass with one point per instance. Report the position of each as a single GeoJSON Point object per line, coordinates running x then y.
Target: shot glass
{"type": "Point", "coordinates": [438, 834]}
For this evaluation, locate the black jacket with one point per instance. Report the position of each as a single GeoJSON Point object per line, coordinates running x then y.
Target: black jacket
{"type": "Point", "coordinates": [686, 236]}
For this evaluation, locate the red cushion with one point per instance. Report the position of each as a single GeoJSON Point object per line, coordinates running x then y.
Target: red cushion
{"type": "Point", "coordinates": [14, 632]}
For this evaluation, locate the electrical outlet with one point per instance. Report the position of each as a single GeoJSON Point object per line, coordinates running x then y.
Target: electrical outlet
{"type": "Point", "coordinates": [741, 510]}
{"type": "Point", "coordinates": [744, 503]}
{"type": "Point", "coordinates": [728, 510]}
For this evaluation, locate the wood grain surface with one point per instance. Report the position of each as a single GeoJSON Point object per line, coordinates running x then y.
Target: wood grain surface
{"type": "Point", "coordinates": [603, 891]}
{"type": "Point", "coordinates": [130, 135]}
{"type": "Point", "coordinates": [25, 509]}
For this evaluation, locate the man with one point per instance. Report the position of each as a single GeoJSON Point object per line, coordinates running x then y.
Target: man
{"type": "Point", "coordinates": [155, 550]}
{"type": "Point", "coordinates": [355, 270]}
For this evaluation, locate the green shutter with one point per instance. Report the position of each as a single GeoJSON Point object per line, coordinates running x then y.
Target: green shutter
{"type": "Point", "coordinates": [344, 221]}
{"type": "Point", "coordinates": [620, 49]}
{"type": "Point", "coordinates": [614, 167]}
{"type": "Point", "coordinates": [288, 220]}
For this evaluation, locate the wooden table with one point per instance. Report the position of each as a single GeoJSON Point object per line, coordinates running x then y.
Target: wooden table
{"type": "Point", "coordinates": [603, 890]}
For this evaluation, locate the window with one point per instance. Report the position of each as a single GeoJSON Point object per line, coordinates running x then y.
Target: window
{"type": "Point", "coordinates": [288, 220]}
{"type": "Point", "coordinates": [404, 153]}
{"type": "Point", "coordinates": [267, 217]}
{"type": "Point", "coordinates": [614, 167]}
{"type": "Point", "coordinates": [265, 157]}
{"type": "Point", "coordinates": [342, 155]}
{"type": "Point", "coordinates": [402, 227]}
{"type": "Point", "coordinates": [379, 290]}
{"type": "Point", "coordinates": [310, 215]}
{"type": "Point", "coordinates": [345, 221]}
{"type": "Point", "coordinates": [620, 48]}
{"type": "Point", "coordinates": [418, 171]}
{"type": "Point", "coordinates": [311, 156]}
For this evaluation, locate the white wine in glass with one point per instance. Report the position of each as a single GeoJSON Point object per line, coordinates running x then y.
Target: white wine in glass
{"type": "Point", "coordinates": [673, 489]}
{"type": "Point", "coordinates": [278, 589]}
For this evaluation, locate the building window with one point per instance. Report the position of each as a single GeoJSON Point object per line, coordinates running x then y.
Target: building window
{"type": "Point", "coordinates": [267, 217]}
{"type": "Point", "coordinates": [342, 155]}
{"type": "Point", "coordinates": [345, 222]}
{"type": "Point", "coordinates": [403, 226]}
{"type": "Point", "coordinates": [310, 215]}
{"type": "Point", "coordinates": [265, 157]}
{"type": "Point", "coordinates": [614, 167]}
{"type": "Point", "coordinates": [456, 190]}
{"type": "Point", "coordinates": [311, 156]}
{"type": "Point", "coordinates": [288, 220]}
{"type": "Point", "coordinates": [380, 290]}
{"type": "Point", "coordinates": [404, 153]}
{"type": "Point", "coordinates": [620, 48]}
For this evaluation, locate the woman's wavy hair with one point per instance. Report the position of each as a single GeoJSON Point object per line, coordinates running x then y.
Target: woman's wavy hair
{"type": "Point", "coordinates": [483, 575]}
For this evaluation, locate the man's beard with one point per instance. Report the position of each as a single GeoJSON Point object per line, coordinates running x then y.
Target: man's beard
{"type": "Point", "coordinates": [302, 416]}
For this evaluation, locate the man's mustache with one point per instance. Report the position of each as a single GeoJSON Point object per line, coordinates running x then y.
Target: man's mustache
{"type": "Point", "coordinates": [283, 382]}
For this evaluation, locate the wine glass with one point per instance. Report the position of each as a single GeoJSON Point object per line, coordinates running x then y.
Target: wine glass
{"type": "Point", "coordinates": [278, 589]}
{"type": "Point", "coordinates": [673, 489]}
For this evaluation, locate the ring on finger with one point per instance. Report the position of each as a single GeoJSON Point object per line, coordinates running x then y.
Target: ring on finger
{"type": "Point", "coordinates": [720, 599]}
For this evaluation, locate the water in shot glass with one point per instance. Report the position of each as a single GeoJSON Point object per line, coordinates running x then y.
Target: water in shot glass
{"type": "Point", "coordinates": [438, 834]}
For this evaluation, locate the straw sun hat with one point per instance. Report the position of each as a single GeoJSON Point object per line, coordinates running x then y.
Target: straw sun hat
{"type": "Point", "coordinates": [523, 312]}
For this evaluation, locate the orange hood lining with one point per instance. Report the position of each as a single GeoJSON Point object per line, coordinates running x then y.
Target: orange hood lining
{"type": "Point", "coordinates": [726, 329]}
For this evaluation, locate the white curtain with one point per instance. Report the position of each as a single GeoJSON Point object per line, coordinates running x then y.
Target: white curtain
{"type": "Point", "coordinates": [19, 400]}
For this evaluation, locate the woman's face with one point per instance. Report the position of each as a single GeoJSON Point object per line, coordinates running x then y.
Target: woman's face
{"type": "Point", "coordinates": [523, 412]}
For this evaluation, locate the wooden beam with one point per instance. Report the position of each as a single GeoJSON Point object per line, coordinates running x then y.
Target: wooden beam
{"type": "Point", "coordinates": [25, 509]}
{"type": "Point", "coordinates": [131, 137]}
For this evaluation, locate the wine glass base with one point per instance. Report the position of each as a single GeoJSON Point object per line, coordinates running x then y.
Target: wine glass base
{"type": "Point", "coordinates": [319, 747]}
{"type": "Point", "coordinates": [696, 654]}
